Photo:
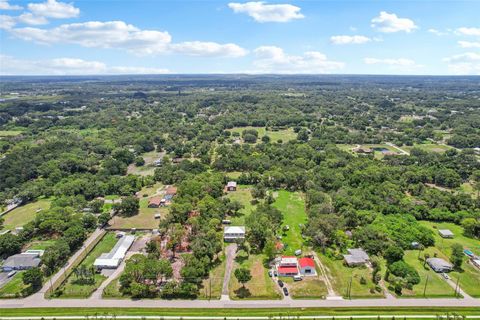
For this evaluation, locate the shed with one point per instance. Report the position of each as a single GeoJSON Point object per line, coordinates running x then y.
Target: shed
{"type": "Point", "coordinates": [154, 202]}
{"type": "Point", "coordinates": [445, 233]}
{"type": "Point", "coordinates": [307, 266]}
{"type": "Point", "coordinates": [232, 186]}
{"type": "Point", "coordinates": [439, 265]}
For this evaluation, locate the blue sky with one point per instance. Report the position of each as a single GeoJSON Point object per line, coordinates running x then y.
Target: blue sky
{"type": "Point", "coordinates": [353, 37]}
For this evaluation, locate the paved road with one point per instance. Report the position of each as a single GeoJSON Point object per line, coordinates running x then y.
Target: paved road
{"type": "Point", "coordinates": [230, 254]}
{"type": "Point", "coordinates": [61, 273]}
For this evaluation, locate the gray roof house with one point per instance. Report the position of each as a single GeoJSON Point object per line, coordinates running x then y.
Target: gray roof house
{"type": "Point", "coordinates": [439, 265]}
{"type": "Point", "coordinates": [356, 257]}
{"type": "Point", "coordinates": [445, 233]}
{"type": "Point", "coordinates": [22, 261]}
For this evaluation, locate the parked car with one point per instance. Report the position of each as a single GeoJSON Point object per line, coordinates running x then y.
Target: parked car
{"type": "Point", "coordinates": [297, 278]}
{"type": "Point", "coordinates": [11, 273]}
{"type": "Point", "coordinates": [280, 283]}
{"type": "Point", "coordinates": [285, 291]}
{"type": "Point", "coordinates": [275, 273]}
{"type": "Point", "coordinates": [445, 276]}
{"type": "Point", "coordinates": [270, 273]}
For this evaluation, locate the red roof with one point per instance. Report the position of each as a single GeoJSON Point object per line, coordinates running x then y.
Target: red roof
{"type": "Point", "coordinates": [155, 200]}
{"type": "Point", "coordinates": [286, 270]}
{"type": "Point", "coordinates": [306, 262]}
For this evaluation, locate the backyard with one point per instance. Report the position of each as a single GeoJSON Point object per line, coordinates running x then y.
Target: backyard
{"type": "Point", "coordinates": [72, 288]}
{"type": "Point", "coordinates": [24, 214]}
{"type": "Point", "coordinates": [284, 135]}
{"type": "Point", "coordinates": [244, 196]}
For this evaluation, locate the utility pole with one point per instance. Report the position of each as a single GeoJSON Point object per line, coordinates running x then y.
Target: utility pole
{"type": "Point", "coordinates": [425, 288]}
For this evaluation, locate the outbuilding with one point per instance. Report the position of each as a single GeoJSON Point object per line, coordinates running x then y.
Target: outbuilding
{"type": "Point", "coordinates": [154, 202]}
{"type": "Point", "coordinates": [356, 257]}
{"type": "Point", "coordinates": [232, 186]}
{"type": "Point", "coordinates": [445, 233]}
{"type": "Point", "coordinates": [439, 265]}
{"type": "Point", "coordinates": [112, 259]}
{"type": "Point", "coordinates": [307, 266]}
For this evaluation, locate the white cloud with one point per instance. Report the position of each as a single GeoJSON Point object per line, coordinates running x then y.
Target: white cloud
{"type": "Point", "coordinates": [271, 59]}
{"type": "Point", "coordinates": [54, 9]}
{"type": "Point", "coordinates": [198, 48]}
{"type": "Point", "coordinates": [4, 5]}
{"type": "Point", "coordinates": [469, 44]}
{"type": "Point", "coordinates": [31, 19]}
{"type": "Point", "coordinates": [465, 63]}
{"type": "Point", "coordinates": [438, 32]}
{"type": "Point", "coordinates": [262, 12]}
{"type": "Point", "coordinates": [7, 22]}
{"type": "Point", "coordinates": [350, 39]}
{"type": "Point", "coordinates": [469, 31]}
{"type": "Point", "coordinates": [67, 66]}
{"type": "Point", "coordinates": [390, 22]}
{"type": "Point", "coordinates": [120, 35]}
{"type": "Point", "coordinates": [391, 62]}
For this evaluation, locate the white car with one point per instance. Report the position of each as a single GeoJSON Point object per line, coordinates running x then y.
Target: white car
{"type": "Point", "coordinates": [11, 273]}
{"type": "Point", "coordinates": [445, 276]}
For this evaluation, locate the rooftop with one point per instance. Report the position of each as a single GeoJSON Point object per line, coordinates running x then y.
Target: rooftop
{"type": "Point", "coordinates": [234, 229]}
{"type": "Point", "coordinates": [24, 260]}
{"type": "Point", "coordinates": [306, 262]}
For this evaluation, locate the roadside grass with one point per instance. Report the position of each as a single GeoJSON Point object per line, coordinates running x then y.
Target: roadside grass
{"type": "Point", "coordinates": [341, 276]}
{"type": "Point", "coordinates": [145, 219]}
{"type": "Point", "coordinates": [435, 312]}
{"type": "Point", "coordinates": [14, 288]}
{"type": "Point", "coordinates": [260, 287]}
{"type": "Point", "coordinates": [469, 279]}
{"type": "Point", "coordinates": [436, 286]}
{"type": "Point", "coordinates": [71, 289]}
{"type": "Point", "coordinates": [244, 196]}
{"type": "Point", "coordinates": [292, 205]}
{"type": "Point", "coordinates": [24, 214]}
{"type": "Point", "coordinates": [212, 286]}
{"type": "Point", "coordinates": [308, 288]}
{"type": "Point", "coordinates": [284, 135]}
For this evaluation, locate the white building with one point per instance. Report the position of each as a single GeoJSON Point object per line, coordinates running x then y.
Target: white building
{"type": "Point", "coordinates": [233, 233]}
{"type": "Point", "coordinates": [445, 233]}
{"type": "Point", "coordinates": [112, 259]}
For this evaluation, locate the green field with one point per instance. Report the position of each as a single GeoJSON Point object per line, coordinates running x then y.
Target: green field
{"type": "Point", "coordinates": [469, 278]}
{"type": "Point", "coordinates": [342, 275]}
{"type": "Point", "coordinates": [145, 219]}
{"type": "Point", "coordinates": [14, 287]}
{"type": "Point", "coordinates": [71, 289]}
{"type": "Point", "coordinates": [9, 133]}
{"type": "Point", "coordinates": [212, 286]}
{"type": "Point", "coordinates": [244, 196]}
{"type": "Point", "coordinates": [292, 205]}
{"type": "Point", "coordinates": [284, 135]}
{"type": "Point", "coordinates": [24, 214]}
{"type": "Point", "coordinates": [436, 286]}
{"type": "Point", "coordinates": [308, 288]}
{"type": "Point", "coordinates": [430, 147]}
{"type": "Point", "coordinates": [261, 286]}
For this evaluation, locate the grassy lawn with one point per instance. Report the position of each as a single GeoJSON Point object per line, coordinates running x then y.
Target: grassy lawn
{"type": "Point", "coordinates": [145, 219]}
{"type": "Point", "coordinates": [112, 290]}
{"type": "Point", "coordinates": [341, 276]}
{"type": "Point", "coordinates": [284, 135]}
{"type": "Point", "coordinates": [24, 214]}
{"type": "Point", "coordinates": [40, 244]}
{"type": "Point", "coordinates": [430, 147]}
{"type": "Point", "coordinates": [469, 279]}
{"type": "Point", "coordinates": [244, 196]}
{"type": "Point", "coordinates": [212, 287]}
{"type": "Point", "coordinates": [467, 187]}
{"type": "Point", "coordinates": [71, 289]}
{"type": "Point", "coordinates": [13, 288]}
{"type": "Point", "coordinates": [292, 205]}
{"type": "Point", "coordinates": [152, 190]}
{"type": "Point", "coordinates": [436, 286]}
{"type": "Point", "coordinates": [308, 288]}
{"type": "Point", "coordinates": [260, 287]}
{"type": "Point", "coordinates": [288, 313]}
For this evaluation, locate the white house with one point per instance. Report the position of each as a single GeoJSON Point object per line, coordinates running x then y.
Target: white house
{"type": "Point", "coordinates": [233, 233]}
{"type": "Point", "coordinates": [439, 265]}
{"type": "Point", "coordinates": [112, 259]}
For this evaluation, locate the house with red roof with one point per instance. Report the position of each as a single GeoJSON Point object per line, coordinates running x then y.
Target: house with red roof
{"type": "Point", "coordinates": [307, 266]}
{"type": "Point", "coordinates": [287, 267]}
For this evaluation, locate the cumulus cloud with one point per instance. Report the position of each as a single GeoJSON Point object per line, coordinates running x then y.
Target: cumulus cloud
{"type": "Point", "coordinates": [123, 36]}
{"type": "Point", "coordinates": [54, 9]}
{"type": "Point", "coordinates": [4, 5]}
{"type": "Point", "coordinates": [469, 44]}
{"type": "Point", "coordinates": [392, 62]}
{"type": "Point", "coordinates": [438, 32]}
{"type": "Point", "coordinates": [7, 22]}
{"type": "Point", "coordinates": [271, 59]}
{"type": "Point", "coordinates": [467, 63]}
{"type": "Point", "coordinates": [262, 12]}
{"type": "Point", "coordinates": [67, 66]}
{"type": "Point", "coordinates": [349, 39]}
{"type": "Point", "coordinates": [31, 19]}
{"type": "Point", "coordinates": [390, 22]}
{"type": "Point", "coordinates": [469, 31]}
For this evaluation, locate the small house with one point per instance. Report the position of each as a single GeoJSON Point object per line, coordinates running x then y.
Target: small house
{"type": "Point", "coordinates": [170, 192]}
{"type": "Point", "coordinates": [439, 265]}
{"type": "Point", "coordinates": [22, 261]}
{"type": "Point", "coordinates": [307, 266]}
{"type": "Point", "coordinates": [154, 202]}
{"type": "Point", "coordinates": [233, 233]}
{"type": "Point", "coordinates": [445, 233]}
{"type": "Point", "coordinates": [288, 266]}
{"type": "Point", "coordinates": [356, 257]}
{"type": "Point", "coordinates": [232, 186]}
{"type": "Point", "coordinates": [112, 259]}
